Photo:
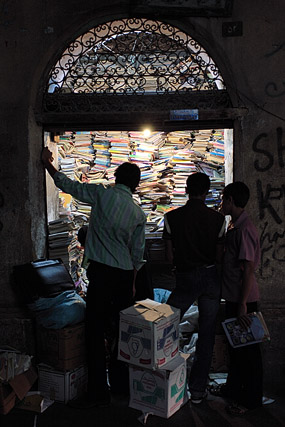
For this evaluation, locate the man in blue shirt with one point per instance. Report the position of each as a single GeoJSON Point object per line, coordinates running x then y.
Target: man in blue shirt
{"type": "Point", "coordinates": [114, 248]}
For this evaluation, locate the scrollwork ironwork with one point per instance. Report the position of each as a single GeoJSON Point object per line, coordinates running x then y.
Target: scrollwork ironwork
{"type": "Point", "coordinates": [134, 57]}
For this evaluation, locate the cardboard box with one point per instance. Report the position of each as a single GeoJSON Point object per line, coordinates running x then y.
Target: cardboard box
{"type": "Point", "coordinates": [149, 334]}
{"type": "Point", "coordinates": [159, 392]}
{"type": "Point", "coordinates": [62, 386]}
{"type": "Point", "coordinates": [220, 358]}
{"type": "Point", "coordinates": [63, 349]}
{"type": "Point", "coordinates": [34, 402]}
{"type": "Point", "coordinates": [15, 389]}
{"type": "Point", "coordinates": [7, 398]}
{"type": "Point", "coordinates": [13, 363]}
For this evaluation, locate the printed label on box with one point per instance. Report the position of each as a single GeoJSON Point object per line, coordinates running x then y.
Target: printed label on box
{"type": "Point", "coordinates": [149, 334]}
{"type": "Point", "coordinates": [62, 386]}
{"type": "Point", "coordinates": [161, 392]}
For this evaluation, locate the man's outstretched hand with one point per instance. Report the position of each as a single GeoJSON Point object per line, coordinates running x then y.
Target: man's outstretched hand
{"type": "Point", "coordinates": [47, 159]}
{"type": "Point", "coordinates": [47, 156]}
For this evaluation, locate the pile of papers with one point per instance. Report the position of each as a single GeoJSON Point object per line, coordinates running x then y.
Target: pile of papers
{"type": "Point", "coordinates": [61, 239]}
{"type": "Point", "coordinates": [165, 161]}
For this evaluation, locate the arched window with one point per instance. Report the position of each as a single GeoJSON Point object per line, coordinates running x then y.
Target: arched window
{"type": "Point", "coordinates": [134, 57]}
{"type": "Point", "coordinates": [131, 70]}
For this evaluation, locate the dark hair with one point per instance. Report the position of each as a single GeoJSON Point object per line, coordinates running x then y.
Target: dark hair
{"type": "Point", "coordinates": [239, 192]}
{"type": "Point", "coordinates": [197, 184]}
{"type": "Point", "coordinates": [128, 174]}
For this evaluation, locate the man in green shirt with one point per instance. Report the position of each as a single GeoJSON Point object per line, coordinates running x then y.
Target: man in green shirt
{"type": "Point", "coordinates": [114, 247]}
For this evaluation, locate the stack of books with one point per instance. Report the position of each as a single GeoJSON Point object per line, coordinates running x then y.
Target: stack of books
{"type": "Point", "coordinates": [120, 147]}
{"type": "Point", "coordinates": [165, 161]}
{"type": "Point", "coordinates": [67, 166]}
{"type": "Point", "coordinates": [64, 144]}
{"type": "Point", "coordinates": [216, 154]}
{"type": "Point", "coordinates": [145, 149]}
{"type": "Point", "coordinates": [61, 239]}
{"type": "Point", "coordinates": [183, 166]}
{"type": "Point", "coordinates": [101, 145]}
{"type": "Point", "coordinates": [95, 176]}
{"type": "Point", "coordinates": [83, 149]}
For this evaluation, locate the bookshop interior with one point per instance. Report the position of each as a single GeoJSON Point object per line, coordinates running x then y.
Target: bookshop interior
{"type": "Point", "coordinates": [165, 159]}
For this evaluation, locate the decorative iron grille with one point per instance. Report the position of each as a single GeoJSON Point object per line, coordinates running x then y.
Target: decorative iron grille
{"type": "Point", "coordinates": [134, 57]}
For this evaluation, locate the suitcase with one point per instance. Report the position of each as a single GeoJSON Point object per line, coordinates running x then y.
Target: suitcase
{"type": "Point", "coordinates": [44, 278]}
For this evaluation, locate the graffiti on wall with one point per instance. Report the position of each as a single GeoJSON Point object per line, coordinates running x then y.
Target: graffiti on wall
{"type": "Point", "coordinates": [272, 89]}
{"type": "Point", "coordinates": [271, 199]}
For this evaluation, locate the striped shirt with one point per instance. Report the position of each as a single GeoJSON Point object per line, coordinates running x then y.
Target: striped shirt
{"type": "Point", "coordinates": [116, 232]}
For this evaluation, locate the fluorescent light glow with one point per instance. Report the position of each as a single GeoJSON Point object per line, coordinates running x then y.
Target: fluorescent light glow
{"type": "Point", "coordinates": [146, 133]}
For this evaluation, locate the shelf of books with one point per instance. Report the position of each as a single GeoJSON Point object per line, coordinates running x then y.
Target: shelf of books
{"type": "Point", "coordinates": [165, 160]}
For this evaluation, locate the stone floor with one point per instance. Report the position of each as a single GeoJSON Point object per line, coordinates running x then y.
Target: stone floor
{"type": "Point", "coordinates": [210, 412]}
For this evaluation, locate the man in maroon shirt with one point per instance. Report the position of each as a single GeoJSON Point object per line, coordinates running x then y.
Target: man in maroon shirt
{"type": "Point", "coordinates": [240, 290]}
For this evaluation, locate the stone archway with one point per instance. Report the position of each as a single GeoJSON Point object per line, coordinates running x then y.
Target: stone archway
{"type": "Point", "coordinates": [133, 70]}
{"type": "Point", "coordinates": [124, 73]}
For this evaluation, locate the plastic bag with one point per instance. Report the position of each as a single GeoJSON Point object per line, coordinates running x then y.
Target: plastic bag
{"type": "Point", "coordinates": [66, 309]}
{"type": "Point", "coordinates": [161, 295]}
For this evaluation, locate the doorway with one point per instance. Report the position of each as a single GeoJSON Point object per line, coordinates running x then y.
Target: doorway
{"type": "Point", "coordinates": [106, 88]}
{"type": "Point", "coordinates": [165, 160]}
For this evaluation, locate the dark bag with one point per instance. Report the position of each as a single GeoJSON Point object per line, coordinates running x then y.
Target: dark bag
{"type": "Point", "coordinates": [44, 278]}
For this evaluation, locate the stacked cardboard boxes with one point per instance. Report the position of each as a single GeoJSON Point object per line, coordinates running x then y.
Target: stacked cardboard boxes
{"type": "Point", "coordinates": [149, 342]}
{"type": "Point", "coordinates": [64, 349]}
{"type": "Point", "coordinates": [62, 370]}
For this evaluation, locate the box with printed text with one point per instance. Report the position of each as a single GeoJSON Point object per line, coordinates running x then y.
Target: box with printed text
{"type": "Point", "coordinates": [149, 334]}
{"type": "Point", "coordinates": [160, 392]}
{"type": "Point", "coordinates": [62, 386]}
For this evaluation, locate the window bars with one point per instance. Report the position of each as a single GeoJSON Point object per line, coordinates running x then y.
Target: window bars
{"type": "Point", "coordinates": [135, 56]}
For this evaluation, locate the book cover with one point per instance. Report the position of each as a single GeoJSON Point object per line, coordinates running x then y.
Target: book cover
{"type": "Point", "coordinates": [238, 336]}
